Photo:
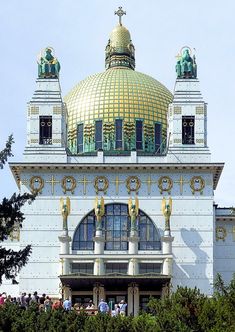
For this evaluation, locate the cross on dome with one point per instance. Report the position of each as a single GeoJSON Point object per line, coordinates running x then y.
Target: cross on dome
{"type": "Point", "coordinates": [120, 13]}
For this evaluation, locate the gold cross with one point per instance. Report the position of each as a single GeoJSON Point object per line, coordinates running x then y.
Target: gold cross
{"type": "Point", "coordinates": [181, 183]}
{"type": "Point", "coordinates": [120, 13]}
{"type": "Point", "coordinates": [149, 183]}
{"type": "Point", "coordinates": [84, 181]}
{"type": "Point", "coordinates": [117, 182]}
{"type": "Point", "coordinates": [52, 181]}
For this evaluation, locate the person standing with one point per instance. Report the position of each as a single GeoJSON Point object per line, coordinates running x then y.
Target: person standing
{"type": "Point", "coordinates": [47, 304]}
{"type": "Point", "coordinates": [123, 306]}
{"type": "Point", "coordinates": [67, 305]}
{"type": "Point", "coordinates": [103, 307]}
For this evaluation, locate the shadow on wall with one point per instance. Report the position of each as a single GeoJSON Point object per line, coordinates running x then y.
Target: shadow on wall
{"type": "Point", "coordinates": [193, 262]}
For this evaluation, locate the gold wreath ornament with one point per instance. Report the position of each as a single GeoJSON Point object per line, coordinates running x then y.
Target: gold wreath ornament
{"type": "Point", "coordinates": [131, 180]}
{"type": "Point", "coordinates": [165, 183]}
{"type": "Point", "coordinates": [197, 180]}
{"type": "Point", "coordinates": [68, 184]}
{"type": "Point", "coordinates": [40, 184]}
{"type": "Point", "coordinates": [101, 184]}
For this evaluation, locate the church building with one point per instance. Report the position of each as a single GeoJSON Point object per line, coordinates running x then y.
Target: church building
{"type": "Point", "coordinates": [125, 185]}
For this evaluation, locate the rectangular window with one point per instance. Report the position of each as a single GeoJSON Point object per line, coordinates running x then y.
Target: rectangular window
{"type": "Point", "coordinates": [139, 134]}
{"type": "Point", "coordinates": [98, 135]}
{"type": "Point", "coordinates": [80, 138]}
{"type": "Point", "coordinates": [188, 123]}
{"type": "Point", "coordinates": [118, 127]}
{"type": "Point", "coordinates": [158, 137]}
{"type": "Point", "coordinates": [82, 268]}
{"type": "Point", "coordinates": [149, 268]}
{"type": "Point", "coordinates": [116, 268]}
{"type": "Point", "coordinates": [45, 130]}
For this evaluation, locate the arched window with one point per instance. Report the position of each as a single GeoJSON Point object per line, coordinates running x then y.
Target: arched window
{"type": "Point", "coordinates": [116, 227]}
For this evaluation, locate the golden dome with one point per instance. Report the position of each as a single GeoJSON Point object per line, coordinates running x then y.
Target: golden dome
{"type": "Point", "coordinates": [117, 93]}
{"type": "Point", "coordinates": [120, 37]}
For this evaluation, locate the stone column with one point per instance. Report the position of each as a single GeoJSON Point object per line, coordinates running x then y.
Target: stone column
{"type": "Point", "coordinates": [99, 267]}
{"type": "Point", "coordinates": [133, 301]}
{"type": "Point", "coordinates": [99, 242]}
{"type": "Point", "coordinates": [67, 293]}
{"type": "Point", "coordinates": [98, 293]}
{"type": "Point", "coordinates": [64, 250]}
{"type": "Point", "coordinates": [167, 240]}
{"type": "Point", "coordinates": [133, 243]}
{"type": "Point", "coordinates": [99, 250]}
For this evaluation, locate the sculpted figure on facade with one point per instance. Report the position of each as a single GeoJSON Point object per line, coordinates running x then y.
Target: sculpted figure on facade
{"type": "Point", "coordinates": [133, 208]}
{"type": "Point", "coordinates": [48, 65]}
{"type": "Point", "coordinates": [99, 212]}
{"type": "Point", "coordinates": [186, 66]}
{"type": "Point", "coordinates": [65, 211]}
{"type": "Point", "coordinates": [166, 211]}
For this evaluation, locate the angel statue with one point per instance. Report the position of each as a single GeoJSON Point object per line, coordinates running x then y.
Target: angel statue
{"type": "Point", "coordinates": [99, 212]}
{"type": "Point", "coordinates": [65, 211]}
{"type": "Point", "coordinates": [166, 211]}
{"type": "Point", "coordinates": [133, 212]}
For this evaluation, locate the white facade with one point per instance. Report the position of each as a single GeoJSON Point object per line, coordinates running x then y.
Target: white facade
{"type": "Point", "coordinates": [190, 255]}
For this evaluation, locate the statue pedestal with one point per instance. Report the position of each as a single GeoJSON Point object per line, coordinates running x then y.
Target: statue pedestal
{"type": "Point", "coordinates": [133, 243]}
{"type": "Point", "coordinates": [99, 242]}
{"type": "Point", "coordinates": [64, 250]}
{"type": "Point", "coordinates": [167, 243]}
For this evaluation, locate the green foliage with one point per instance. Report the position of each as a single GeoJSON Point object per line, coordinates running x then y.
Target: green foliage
{"type": "Point", "coordinates": [11, 217]}
{"type": "Point", "coordinates": [6, 152]}
{"type": "Point", "coordinates": [186, 310]}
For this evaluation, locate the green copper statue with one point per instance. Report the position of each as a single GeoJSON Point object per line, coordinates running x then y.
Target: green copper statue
{"type": "Point", "coordinates": [186, 66]}
{"type": "Point", "coordinates": [48, 65]}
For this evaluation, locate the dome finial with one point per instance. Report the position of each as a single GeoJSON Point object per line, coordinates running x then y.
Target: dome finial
{"type": "Point", "coordinates": [120, 13]}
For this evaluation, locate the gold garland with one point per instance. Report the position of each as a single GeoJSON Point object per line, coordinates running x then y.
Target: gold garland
{"type": "Point", "coordinates": [221, 233]}
{"type": "Point", "coordinates": [38, 180]}
{"type": "Point", "coordinates": [165, 180]}
{"type": "Point", "coordinates": [197, 179]}
{"type": "Point", "coordinates": [101, 184]}
{"type": "Point", "coordinates": [130, 180]}
{"type": "Point", "coordinates": [68, 179]}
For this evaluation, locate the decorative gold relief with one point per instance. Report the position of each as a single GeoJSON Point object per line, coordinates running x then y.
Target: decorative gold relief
{"type": "Point", "coordinates": [199, 140]}
{"type": "Point", "coordinates": [221, 233]}
{"type": "Point", "coordinates": [56, 140]}
{"type": "Point", "coordinates": [177, 110]}
{"type": "Point", "coordinates": [165, 183]}
{"type": "Point", "coordinates": [68, 184]}
{"type": "Point", "coordinates": [57, 110]}
{"type": "Point", "coordinates": [199, 110]}
{"type": "Point", "coordinates": [197, 183]}
{"type": "Point", "coordinates": [133, 184]}
{"type": "Point", "coordinates": [34, 110]}
{"type": "Point", "coordinates": [36, 184]}
{"type": "Point", "coordinates": [181, 183]}
{"type": "Point", "coordinates": [34, 140]}
{"type": "Point", "coordinates": [52, 182]}
{"type": "Point", "coordinates": [101, 184]}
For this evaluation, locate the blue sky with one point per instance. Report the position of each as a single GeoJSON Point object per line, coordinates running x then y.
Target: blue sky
{"type": "Point", "coordinates": [78, 30]}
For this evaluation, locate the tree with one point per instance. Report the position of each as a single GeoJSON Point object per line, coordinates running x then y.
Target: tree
{"type": "Point", "coordinates": [11, 217]}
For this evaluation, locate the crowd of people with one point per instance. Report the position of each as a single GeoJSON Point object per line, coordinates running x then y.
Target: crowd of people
{"type": "Point", "coordinates": [24, 301]}
{"type": "Point", "coordinates": [45, 303]}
